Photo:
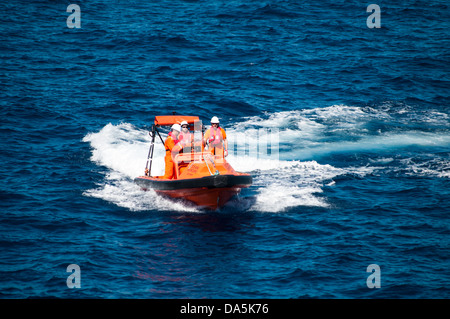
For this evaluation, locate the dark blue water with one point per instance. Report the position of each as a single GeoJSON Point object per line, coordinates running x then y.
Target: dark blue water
{"type": "Point", "coordinates": [362, 176]}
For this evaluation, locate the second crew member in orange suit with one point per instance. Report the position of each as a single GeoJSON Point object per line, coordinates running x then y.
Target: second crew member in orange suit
{"type": "Point", "coordinates": [216, 138]}
{"type": "Point", "coordinates": [171, 145]}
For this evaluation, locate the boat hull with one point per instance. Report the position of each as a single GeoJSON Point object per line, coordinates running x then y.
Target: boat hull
{"type": "Point", "coordinates": [210, 192]}
{"type": "Point", "coordinates": [207, 198]}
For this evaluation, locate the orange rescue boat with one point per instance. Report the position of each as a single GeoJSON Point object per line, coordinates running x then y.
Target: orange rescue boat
{"type": "Point", "coordinates": [202, 178]}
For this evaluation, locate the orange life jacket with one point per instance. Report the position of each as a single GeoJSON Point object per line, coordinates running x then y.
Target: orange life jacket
{"type": "Point", "coordinates": [215, 136]}
{"type": "Point", "coordinates": [171, 145]}
{"type": "Point", "coordinates": [185, 139]}
{"type": "Point", "coordinates": [174, 138]}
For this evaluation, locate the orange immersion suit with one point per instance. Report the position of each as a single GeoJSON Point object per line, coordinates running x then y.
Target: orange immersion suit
{"type": "Point", "coordinates": [215, 138]}
{"type": "Point", "coordinates": [171, 145]}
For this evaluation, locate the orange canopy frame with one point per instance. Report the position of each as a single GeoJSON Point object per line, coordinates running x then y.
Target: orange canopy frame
{"type": "Point", "coordinates": [165, 120]}
{"type": "Point", "coordinates": [162, 120]}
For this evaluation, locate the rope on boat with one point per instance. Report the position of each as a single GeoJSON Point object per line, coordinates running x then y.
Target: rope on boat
{"type": "Point", "coordinates": [212, 161]}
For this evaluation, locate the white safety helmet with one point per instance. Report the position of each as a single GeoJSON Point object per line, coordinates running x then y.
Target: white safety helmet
{"type": "Point", "coordinates": [184, 123]}
{"type": "Point", "coordinates": [215, 120]}
{"type": "Point", "coordinates": [176, 127]}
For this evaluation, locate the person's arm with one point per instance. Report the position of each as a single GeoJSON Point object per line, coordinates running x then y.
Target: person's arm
{"type": "Point", "coordinates": [169, 144]}
{"type": "Point", "coordinates": [176, 149]}
{"type": "Point", "coordinates": [206, 137]}
{"type": "Point", "coordinates": [225, 142]}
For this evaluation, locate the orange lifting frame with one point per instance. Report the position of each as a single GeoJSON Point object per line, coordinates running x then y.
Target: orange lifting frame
{"type": "Point", "coordinates": [163, 120]}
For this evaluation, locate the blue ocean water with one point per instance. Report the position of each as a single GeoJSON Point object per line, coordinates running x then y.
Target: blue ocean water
{"type": "Point", "coordinates": [362, 176]}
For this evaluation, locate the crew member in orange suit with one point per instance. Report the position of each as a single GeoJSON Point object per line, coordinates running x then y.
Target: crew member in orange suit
{"type": "Point", "coordinates": [172, 146]}
{"type": "Point", "coordinates": [216, 138]}
{"type": "Point", "coordinates": [186, 138]}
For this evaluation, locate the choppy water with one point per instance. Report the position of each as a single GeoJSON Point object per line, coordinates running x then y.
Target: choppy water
{"type": "Point", "coordinates": [362, 175]}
